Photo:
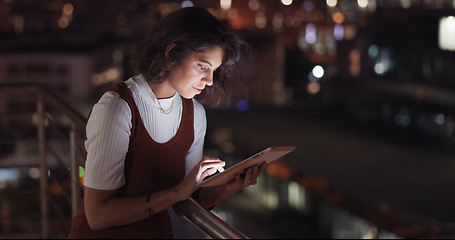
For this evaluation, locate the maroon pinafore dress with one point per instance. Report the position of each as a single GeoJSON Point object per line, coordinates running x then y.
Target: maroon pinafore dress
{"type": "Point", "coordinates": [149, 167]}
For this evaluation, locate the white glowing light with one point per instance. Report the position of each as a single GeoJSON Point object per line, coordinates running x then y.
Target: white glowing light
{"type": "Point", "coordinates": [405, 3]}
{"type": "Point", "coordinates": [362, 3]}
{"type": "Point", "coordinates": [286, 2]}
{"type": "Point", "coordinates": [331, 3]}
{"type": "Point", "coordinates": [225, 4]}
{"type": "Point", "coordinates": [296, 195]}
{"type": "Point", "coordinates": [447, 33]}
{"type": "Point", "coordinates": [379, 68]}
{"type": "Point", "coordinates": [439, 119]}
{"type": "Point", "coordinates": [318, 71]}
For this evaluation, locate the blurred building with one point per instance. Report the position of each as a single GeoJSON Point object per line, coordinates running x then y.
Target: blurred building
{"type": "Point", "coordinates": [379, 60]}
{"type": "Point", "coordinates": [301, 46]}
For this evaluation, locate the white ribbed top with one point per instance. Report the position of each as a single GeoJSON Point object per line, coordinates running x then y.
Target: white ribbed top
{"type": "Point", "coordinates": [109, 127]}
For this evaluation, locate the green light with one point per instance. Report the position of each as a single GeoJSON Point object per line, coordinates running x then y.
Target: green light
{"type": "Point", "coordinates": [81, 171]}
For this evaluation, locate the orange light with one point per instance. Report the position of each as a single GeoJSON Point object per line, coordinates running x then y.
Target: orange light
{"type": "Point", "coordinates": [81, 180]}
{"type": "Point", "coordinates": [68, 9]}
{"type": "Point", "coordinates": [313, 87]}
{"type": "Point", "coordinates": [279, 171]}
{"type": "Point", "coordinates": [284, 172]}
{"type": "Point", "coordinates": [63, 22]}
{"type": "Point", "coordinates": [338, 17]}
{"type": "Point", "coordinates": [237, 23]}
{"type": "Point", "coordinates": [272, 169]}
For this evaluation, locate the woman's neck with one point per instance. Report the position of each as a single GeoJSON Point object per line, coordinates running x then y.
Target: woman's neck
{"type": "Point", "coordinates": [162, 90]}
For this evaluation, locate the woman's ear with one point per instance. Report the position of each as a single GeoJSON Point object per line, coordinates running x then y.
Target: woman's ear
{"type": "Point", "coordinates": [169, 48]}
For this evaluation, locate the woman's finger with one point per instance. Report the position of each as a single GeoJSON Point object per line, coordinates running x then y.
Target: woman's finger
{"type": "Point", "coordinates": [217, 165]}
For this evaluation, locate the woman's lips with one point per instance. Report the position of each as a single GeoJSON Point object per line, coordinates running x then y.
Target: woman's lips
{"type": "Point", "coordinates": [198, 90]}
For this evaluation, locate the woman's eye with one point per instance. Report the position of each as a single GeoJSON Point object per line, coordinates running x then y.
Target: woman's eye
{"type": "Point", "coordinates": [202, 68]}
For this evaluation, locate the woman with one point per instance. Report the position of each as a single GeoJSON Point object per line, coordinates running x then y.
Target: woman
{"type": "Point", "coordinates": [145, 136]}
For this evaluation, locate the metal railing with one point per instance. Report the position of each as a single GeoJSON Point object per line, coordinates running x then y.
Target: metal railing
{"type": "Point", "coordinates": [18, 113]}
{"type": "Point", "coordinates": [49, 107]}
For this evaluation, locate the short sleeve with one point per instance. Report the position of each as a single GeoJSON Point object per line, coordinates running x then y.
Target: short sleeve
{"type": "Point", "coordinates": [108, 132]}
{"type": "Point", "coordinates": [200, 127]}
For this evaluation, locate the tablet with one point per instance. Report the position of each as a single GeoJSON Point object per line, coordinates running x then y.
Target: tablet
{"type": "Point", "coordinates": [268, 155]}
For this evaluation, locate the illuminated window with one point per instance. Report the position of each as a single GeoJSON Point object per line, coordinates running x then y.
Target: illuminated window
{"type": "Point", "coordinates": [296, 196]}
{"type": "Point", "coordinates": [225, 4]}
{"type": "Point", "coordinates": [446, 34]}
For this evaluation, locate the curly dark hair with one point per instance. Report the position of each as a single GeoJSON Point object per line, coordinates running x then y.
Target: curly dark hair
{"type": "Point", "coordinates": [192, 29]}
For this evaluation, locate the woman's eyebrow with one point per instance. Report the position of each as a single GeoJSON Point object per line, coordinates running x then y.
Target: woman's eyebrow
{"type": "Point", "coordinates": [205, 61]}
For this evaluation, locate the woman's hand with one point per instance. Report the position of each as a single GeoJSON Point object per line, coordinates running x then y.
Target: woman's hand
{"type": "Point", "coordinates": [206, 167]}
{"type": "Point", "coordinates": [250, 178]}
{"type": "Point", "coordinates": [210, 196]}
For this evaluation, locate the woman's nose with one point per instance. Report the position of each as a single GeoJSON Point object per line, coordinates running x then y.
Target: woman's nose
{"type": "Point", "coordinates": [208, 80]}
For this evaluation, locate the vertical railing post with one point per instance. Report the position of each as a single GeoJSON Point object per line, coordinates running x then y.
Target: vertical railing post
{"type": "Point", "coordinates": [75, 186]}
{"type": "Point", "coordinates": [44, 205]}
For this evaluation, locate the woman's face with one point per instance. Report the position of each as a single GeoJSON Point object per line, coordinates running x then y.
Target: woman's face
{"type": "Point", "coordinates": [195, 72]}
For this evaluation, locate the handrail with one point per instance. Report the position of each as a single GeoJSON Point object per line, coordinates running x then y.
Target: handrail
{"type": "Point", "coordinates": [49, 97]}
{"type": "Point", "coordinates": [204, 219]}
{"type": "Point", "coordinates": [207, 221]}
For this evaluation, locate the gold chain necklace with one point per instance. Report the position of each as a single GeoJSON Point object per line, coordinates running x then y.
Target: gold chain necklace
{"type": "Point", "coordinates": [167, 111]}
